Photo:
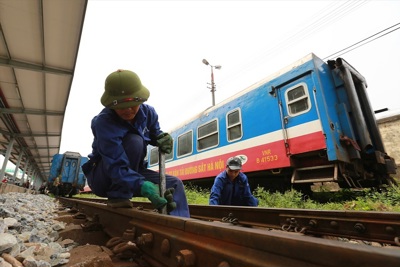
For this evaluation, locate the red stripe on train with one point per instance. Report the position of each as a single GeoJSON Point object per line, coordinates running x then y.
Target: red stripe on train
{"type": "Point", "coordinates": [263, 157]}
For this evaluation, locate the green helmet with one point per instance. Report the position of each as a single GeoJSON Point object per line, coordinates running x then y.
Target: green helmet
{"type": "Point", "coordinates": [123, 89]}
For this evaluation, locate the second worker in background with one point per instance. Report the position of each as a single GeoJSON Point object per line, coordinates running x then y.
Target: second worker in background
{"type": "Point", "coordinates": [231, 187]}
{"type": "Point", "coordinates": [122, 130]}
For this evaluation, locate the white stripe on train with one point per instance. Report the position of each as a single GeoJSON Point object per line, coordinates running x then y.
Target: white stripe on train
{"type": "Point", "coordinates": [295, 131]}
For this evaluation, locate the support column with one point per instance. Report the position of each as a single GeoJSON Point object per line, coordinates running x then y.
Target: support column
{"type": "Point", "coordinates": [6, 158]}
{"type": "Point", "coordinates": [21, 155]}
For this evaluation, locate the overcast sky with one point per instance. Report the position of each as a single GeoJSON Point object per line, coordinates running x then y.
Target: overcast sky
{"type": "Point", "coordinates": [164, 42]}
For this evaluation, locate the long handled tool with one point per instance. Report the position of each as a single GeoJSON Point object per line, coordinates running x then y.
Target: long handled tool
{"type": "Point", "coordinates": [163, 183]}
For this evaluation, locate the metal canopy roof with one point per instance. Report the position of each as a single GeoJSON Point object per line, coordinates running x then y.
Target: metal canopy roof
{"type": "Point", "coordinates": [39, 41]}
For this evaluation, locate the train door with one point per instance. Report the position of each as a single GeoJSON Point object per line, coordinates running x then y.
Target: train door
{"type": "Point", "coordinates": [301, 126]}
{"type": "Point", "coordinates": [70, 170]}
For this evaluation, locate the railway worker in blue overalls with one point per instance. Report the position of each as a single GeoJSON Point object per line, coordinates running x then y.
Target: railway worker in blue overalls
{"type": "Point", "coordinates": [231, 187]}
{"type": "Point", "coordinates": [122, 130]}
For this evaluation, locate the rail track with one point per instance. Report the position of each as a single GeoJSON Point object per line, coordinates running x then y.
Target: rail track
{"type": "Point", "coordinates": [225, 236]}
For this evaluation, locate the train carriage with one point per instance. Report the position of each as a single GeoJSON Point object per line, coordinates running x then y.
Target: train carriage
{"type": "Point", "coordinates": [310, 122]}
{"type": "Point", "coordinates": [67, 168]}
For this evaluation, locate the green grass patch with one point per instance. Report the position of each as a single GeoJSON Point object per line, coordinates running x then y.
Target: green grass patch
{"type": "Point", "coordinates": [344, 199]}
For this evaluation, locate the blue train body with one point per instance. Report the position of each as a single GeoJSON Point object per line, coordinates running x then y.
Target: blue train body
{"type": "Point", "coordinates": [68, 168]}
{"type": "Point", "coordinates": [310, 122]}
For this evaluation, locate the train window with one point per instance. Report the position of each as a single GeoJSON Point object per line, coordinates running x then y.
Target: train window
{"type": "Point", "coordinates": [298, 100]}
{"type": "Point", "coordinates": [154, 156]}
{"type": "Point", "coordinates": [170, 155]}
{"type": "Point", "coordinates": [185, 144]}
{"type": "Point", "coordinates": [207, 135]}
{"type": "Point", "coordinates": [234, 125]}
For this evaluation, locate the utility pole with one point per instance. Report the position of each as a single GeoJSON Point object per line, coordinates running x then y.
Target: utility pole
{"type": "Point", "coordinates": [212, 79]}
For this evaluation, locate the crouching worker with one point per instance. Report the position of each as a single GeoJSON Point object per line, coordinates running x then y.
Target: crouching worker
{"type": "Point", "coordinates": [231, 187]}
{"type": "Point", "coordinates": [122, 130]}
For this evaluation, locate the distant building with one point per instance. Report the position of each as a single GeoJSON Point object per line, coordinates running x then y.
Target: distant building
{"type": "Point", "coordinates": [389, 126]}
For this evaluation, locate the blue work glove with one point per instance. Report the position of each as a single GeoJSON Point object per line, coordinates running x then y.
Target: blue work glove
{"type": "Point", "coordinates": [152, 192]}
{"type": "Point", "coordinates": [168, 195]}
{"type": "Point", "coordinates": [164, 142]}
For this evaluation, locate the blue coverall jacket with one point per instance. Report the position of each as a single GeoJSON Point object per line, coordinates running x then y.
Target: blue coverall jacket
{"type": "Point", "coordinates": [116, 168]}
{"type": "Point", "coordinates": [234, 193]}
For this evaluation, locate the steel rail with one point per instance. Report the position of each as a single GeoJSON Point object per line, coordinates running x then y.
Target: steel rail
{"type": "Point", "coordinates": [176, 241]}
{"type": "Point", "coordinates": [382, 227]}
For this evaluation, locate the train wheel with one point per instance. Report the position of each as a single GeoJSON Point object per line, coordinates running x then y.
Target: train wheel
{"type": "Point", "coordinates": [391, 181]}
{"type": "Point", "coordinates": [73, 192]}
{"type": "Point", "coordinates": [305, 189]}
